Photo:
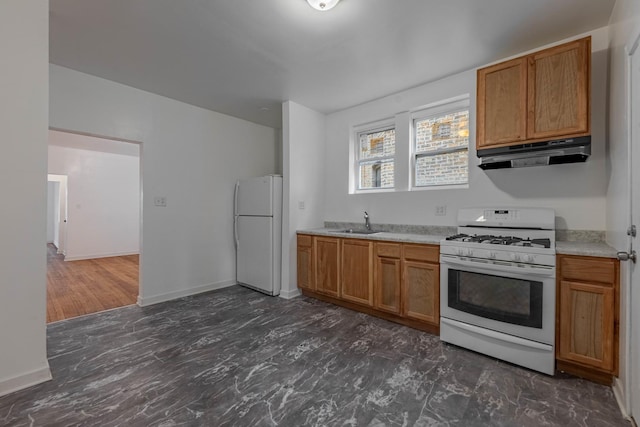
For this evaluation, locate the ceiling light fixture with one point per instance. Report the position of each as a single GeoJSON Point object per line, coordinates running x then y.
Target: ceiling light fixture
{"type": "Point", "coordinates": [322, 5]}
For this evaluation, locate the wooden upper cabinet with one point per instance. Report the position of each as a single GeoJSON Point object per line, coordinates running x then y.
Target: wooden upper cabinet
{"type": "Point", "coordinates": [558, 92]}
{"type": "Point", "coordinates": [537, 97]}
{"type": "Point", "coordinates": [357, 271]}
{"type": "Point", "coordinates": [305, 262]}
{"type": "Point", "coordinates": [502, 103]}
{"type": "Point", "coordinates": [327, 265]}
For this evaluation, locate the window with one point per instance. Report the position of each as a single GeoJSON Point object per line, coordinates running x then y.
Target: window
{"type": "Point", "coordinates": [431, 150]}
{"type": "Point", "coordinates": [441, 146]}
{"type": "Point", "coordinates": [375, 158]}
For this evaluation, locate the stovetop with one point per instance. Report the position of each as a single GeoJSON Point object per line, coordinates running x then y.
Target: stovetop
{"type": "Point", "coordinates": [489, 239]}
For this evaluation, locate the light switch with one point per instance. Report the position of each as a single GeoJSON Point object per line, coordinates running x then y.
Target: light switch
{"type": "Point", "coordinates": [441, 210]}
{"type": "Point", "coordinates": [301, 204]}
{"type": "Point", "coordinates": [160, 201]}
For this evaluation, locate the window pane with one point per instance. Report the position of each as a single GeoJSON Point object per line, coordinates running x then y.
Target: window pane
{"type": "Point", "coordinates": [376, 174]}
{"type": "Point", "coordinates": [447, 131]}
{"type": "Point", "coordinates": [442, 169]}
{"type": "Point", "coordinates": [377, 144]}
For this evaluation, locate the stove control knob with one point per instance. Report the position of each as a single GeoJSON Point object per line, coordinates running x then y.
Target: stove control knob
{"type": "Point", "coordinates": [493, 255]}
{"type": "Point", "coordinates": [516, 257]}
{"type": "Point", "coordinates": [459, 251]}
{"type": "Point", "coordinates": [469, 252]}
{"type": "Point", "coordinates": [531, 258]}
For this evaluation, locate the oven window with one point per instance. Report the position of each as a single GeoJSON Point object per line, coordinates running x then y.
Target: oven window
{"type": "Point", "coordinates": [500, 298]}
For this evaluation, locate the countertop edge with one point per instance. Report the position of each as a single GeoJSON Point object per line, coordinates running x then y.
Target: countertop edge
{"type": "Point", "coordinates": [600, 250]}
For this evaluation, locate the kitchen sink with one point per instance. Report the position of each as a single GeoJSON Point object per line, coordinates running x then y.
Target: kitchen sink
{"type": "Point", "coordinates": [352, 231]}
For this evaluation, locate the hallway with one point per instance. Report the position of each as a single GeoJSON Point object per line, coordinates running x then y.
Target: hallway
{"type": "Point", "coordinates": [76, 288]}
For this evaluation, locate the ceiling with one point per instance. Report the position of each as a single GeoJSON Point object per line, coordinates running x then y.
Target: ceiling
{"type": "Point", "coordinates": [244, 57]}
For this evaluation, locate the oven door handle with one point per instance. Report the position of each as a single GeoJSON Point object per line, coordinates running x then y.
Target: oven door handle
{"type": "Point", "coordinates": [539, 271]}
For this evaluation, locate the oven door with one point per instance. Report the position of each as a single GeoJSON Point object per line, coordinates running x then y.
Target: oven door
{"type": "Point", "coordinates": [507, 298]}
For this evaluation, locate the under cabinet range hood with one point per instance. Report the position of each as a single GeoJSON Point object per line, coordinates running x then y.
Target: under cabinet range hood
{"type": "Point", "coordinates": [572, 150]}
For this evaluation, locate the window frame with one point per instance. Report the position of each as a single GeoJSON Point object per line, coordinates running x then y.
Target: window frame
{"type": "Point", "coordinates": [429, 112]}
{"type": "Point", "coordinates": [368, 128]}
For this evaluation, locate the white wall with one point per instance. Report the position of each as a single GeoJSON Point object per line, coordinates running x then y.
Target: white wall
{"type": "Point", "coordinates": [52, 189]}
{"type": "Point", "coordinates": [303, 132]}
{"type": "Point", "coordinates": [190, 155]}
{"type": "Point", "coordinates": [104, 201]}
{"type": "Point", "coordinates": [575, 191]}
{"type": "Point", "coordinates": [24, 35]}
{"type": "Point", "coordinates": [624, 27]}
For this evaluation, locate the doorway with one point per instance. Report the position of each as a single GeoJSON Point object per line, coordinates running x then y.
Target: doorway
{"type": "Point", "coordinates": [94, 224]}
{"type": "Point", "coordinates": [56, 211]}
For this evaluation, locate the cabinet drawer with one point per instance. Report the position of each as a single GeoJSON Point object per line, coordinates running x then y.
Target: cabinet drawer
{"type": "Point", "coordinates": [422, 253]}
{"type": "Point", "coordinates": [588, 269]}
{"type": "Point", "coordinates": [388, 250]}
{"type": "Point", "coordinates": [304, 240]}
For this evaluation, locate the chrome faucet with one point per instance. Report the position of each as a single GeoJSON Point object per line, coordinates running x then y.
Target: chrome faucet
{"type": "Point", "coordinates": [367, 224]}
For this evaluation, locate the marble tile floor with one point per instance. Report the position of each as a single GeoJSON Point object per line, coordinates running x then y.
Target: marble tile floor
{"type": "Point", "coordinates": [235, 357]}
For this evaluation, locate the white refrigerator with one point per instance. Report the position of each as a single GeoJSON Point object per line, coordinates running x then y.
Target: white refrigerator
{"type": "Point", "coordinates": [258, 233]}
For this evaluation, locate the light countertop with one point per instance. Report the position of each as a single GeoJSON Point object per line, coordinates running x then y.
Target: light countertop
{"type": "Point", "coordinates": [586, 249]}
{"type": "Point", "coordinates": [383, 235]}
{"type": "Point", "coordinates": [565, 248]}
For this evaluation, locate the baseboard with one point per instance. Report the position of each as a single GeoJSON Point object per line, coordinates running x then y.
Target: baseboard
{"type": "Point", "coordinates": [618, 392]}
{"type": "Point", "coordinates": [156, 299]}
{"type": "Point", "coordinates": [26, 380]}
{"type": "Point", "coordinates": [290, 294]}
{"type": "Point", "coordinates": [94, 256]}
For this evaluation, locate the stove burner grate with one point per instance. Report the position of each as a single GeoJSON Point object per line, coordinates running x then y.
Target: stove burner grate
{"type": "Point", "coordinates": [502, 240]}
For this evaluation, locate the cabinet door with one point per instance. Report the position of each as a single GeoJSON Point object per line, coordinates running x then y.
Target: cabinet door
{"type": "Point", "coordinates": [327, 265]}
{"type": "Point", "coordinates": [357, 271]}
{"type": "Point", "coordinates": [558, 91]}
{"type": "Point", "coordinates": [305, 263]}
{"type": "Point", "coordinates": [502, 104]}
{"type": "Point", "coordinates": [387, 277]}
{"type": "Point", "coordinates": [421, 291]}
{"type": "Point", "coordinates": [587, 324]}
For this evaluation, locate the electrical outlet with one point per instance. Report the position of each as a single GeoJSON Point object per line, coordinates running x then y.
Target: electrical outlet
{"type": "Point", "coordinates": [301, 204]}
{"type": "Point", "coordinates": [160, 201]}
{"type": "Point", "coordinates": [441, 210]}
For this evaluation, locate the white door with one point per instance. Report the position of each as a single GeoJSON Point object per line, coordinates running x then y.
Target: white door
{"type": "Point", "coordinates": [60, 231]}
{"type": "Point", "coordinates": [634, 359]}
{"type": "Point", "coordinates": [255, 252]}
{"type": "Point", "coordinates": [255, 197]}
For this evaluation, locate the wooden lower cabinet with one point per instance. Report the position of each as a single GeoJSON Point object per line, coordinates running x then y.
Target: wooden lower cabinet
{"type": "Point", "coordinates": [421, 283]}
{"type": "Point", "coordinates": [357, 271]}
{"type": "Point", "coordinates": [396, 281]}
{"type": "Point", "coordinates": [305, 262]}
{"type": "Point", "coordinates": [420, 291]}
{"type": "Point", "coordinates": [588, 305]}
{"type": "Point", "coordinates": [326, 265]}
{"type": "Point", "coordinates": [387, 276]}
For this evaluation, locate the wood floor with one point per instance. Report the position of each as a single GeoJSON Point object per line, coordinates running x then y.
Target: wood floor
{"type": "Point", "coordinates": [75, 288]}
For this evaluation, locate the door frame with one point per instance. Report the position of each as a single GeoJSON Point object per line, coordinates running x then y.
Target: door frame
{"type": "Point", "coordinates": [141, 146]}
{"type": "Point", "coordinates": [630, 49]}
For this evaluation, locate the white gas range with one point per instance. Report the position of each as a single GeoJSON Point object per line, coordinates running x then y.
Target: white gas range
{"type": "Point", "coordinates": [497, 285]}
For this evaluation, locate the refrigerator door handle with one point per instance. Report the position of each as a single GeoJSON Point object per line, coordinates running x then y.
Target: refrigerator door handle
{"type": "Point", "coordinates": [235, 214]}
{"type": "Point", "coordinates": [235, 231]}
{"type": "Point", "coordinates": [235, 199]}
